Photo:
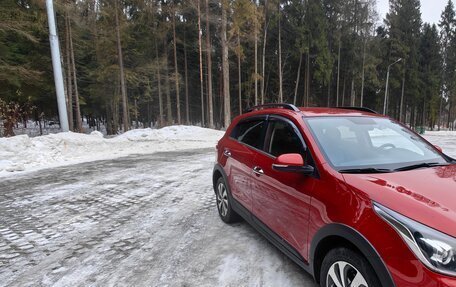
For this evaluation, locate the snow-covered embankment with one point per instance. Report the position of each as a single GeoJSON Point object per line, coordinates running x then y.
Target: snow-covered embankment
{"type": "Point", "coordinates": [22, 153]}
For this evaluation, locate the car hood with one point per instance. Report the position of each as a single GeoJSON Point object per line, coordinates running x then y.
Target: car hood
{"type": "Point", "coordinates": [425, 195]}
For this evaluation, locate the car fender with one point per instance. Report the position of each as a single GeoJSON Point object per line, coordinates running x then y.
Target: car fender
{"type": "Point", "coordinates": [357, 239]}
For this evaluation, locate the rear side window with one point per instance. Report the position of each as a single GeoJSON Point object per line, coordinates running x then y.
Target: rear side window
{"type": "Point", "coordinates": [250, 133]}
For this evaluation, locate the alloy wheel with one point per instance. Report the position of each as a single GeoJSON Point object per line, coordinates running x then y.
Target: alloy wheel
{"type": "Point", "coordinates": [343, 274]}
{"type": "Point", "coordinates": [222, 199]}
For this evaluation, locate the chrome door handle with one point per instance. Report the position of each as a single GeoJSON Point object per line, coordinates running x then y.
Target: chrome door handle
{"type": "Point", "coordinates": [258, 170]}
{"type": "Point", "coordinates": [227, 153]}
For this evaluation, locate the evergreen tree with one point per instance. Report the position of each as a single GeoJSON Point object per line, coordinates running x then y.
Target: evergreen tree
{"type": "Point", "coordinates": [404, 29]}
{"type": "Point", "coordinates": [448, 45]}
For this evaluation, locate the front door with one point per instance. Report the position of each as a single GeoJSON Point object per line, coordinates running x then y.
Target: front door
{"type": "Point", "coordinates": [282, 200]}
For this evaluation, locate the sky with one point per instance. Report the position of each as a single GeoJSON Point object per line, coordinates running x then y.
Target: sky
{"type": "Point", "coordinates": [431, 10]}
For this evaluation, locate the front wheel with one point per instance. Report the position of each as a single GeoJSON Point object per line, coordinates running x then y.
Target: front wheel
{"type": "Point", "coordinates": [343, 267]}
{"type": "Point", "coordinates": [225, 210]}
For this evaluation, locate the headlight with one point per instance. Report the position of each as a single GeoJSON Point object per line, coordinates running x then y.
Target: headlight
{"type": "Point", "coordinates": [435, 249]}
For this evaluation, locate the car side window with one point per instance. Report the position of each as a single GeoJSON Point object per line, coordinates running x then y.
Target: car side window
{"type": "Point", "coordinates": [284, 139]}
{"type": "Point", "coordinates": [250, 133]}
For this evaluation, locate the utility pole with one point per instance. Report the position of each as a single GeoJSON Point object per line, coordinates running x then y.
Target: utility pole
{"type": "Point", "coordinates": [387, 82]}
{"type": "Point", "coordinates": [57, 67]}
{"type": "Point", "coordinates": [363, 74]}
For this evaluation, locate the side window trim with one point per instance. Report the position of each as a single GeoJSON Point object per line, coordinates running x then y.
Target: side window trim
{"type": "Point", "coordinates": [288, 121]}
{"type": "Point", "coordinates": [301, 138]}
{"type": "Point", "coordinates": [263, 132]}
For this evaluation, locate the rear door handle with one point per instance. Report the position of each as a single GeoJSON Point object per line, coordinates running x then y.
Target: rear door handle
{"type": "Point", "coordinates": [258, 170]}
{"type": "Point", "coordinates": [227, 153]}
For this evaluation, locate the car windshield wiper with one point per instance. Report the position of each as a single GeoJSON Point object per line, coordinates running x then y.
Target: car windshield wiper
{"type": "Point", "coordinates": [365, 170]}
{"type": "Point", "coordinates": [420, 165]}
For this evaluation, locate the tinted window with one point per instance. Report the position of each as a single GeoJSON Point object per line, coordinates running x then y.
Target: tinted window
{"type": "Point", "coordinates": [284, 139]}
{"type": "Point", "coordinates": [250, 133]}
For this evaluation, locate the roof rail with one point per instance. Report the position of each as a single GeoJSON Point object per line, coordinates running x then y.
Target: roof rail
{"type": "Point", "coordinates": [361, 109]}
{"type": "Point", "coordinates": [270, 106]}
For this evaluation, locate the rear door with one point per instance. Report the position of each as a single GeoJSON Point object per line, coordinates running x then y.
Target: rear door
{"type": "Point", "coordinates": [281, 200]}
{"type": "Point", "coordinates": [245, 141]}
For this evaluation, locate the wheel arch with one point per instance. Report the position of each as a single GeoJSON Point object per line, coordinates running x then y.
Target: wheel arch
{"type": "Point", "coordinates": [217, 173]}
{"type": "Point", "coordinates": [340, 235]}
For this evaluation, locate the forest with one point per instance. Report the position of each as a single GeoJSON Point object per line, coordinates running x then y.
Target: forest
{"type": "Point", "coordinates": [152, 63]}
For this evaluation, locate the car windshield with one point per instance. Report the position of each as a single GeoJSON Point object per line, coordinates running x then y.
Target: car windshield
{"type": "Point", "coordinates": [370, 143]}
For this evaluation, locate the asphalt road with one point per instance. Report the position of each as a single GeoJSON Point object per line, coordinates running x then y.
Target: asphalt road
{"type": "Point", "coordinates": [142, 220]}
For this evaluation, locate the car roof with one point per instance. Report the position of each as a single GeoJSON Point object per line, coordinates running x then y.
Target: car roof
{"type": "Point", "coordinates": [327, 112]}
{"type": "Point", "coordinates": [312, 112]}
{"type": "Point", "coordinates": [292, 111]}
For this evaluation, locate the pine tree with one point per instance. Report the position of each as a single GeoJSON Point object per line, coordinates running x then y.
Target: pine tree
{"type": "Point", "coordinates": [404, 29]}
{"type": "Point", "coordinates": [448, 45]}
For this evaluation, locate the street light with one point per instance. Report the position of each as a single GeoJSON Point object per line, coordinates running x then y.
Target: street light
{"type": "Point", "coordinates": [386, 88]}
{"type": "Point", "coordinates": [57, 67]}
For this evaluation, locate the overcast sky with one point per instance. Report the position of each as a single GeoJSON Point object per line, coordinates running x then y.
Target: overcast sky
{"type": "Point", "coordinates": [431, 10]}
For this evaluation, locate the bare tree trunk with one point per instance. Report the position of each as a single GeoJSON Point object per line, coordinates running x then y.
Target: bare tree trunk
{"type": "Point", "coordinates": [136, 112]}
{"type": "Point", "coordinates": [225, 68]}
{"type": "Point", "coordinates": [263, 62]}
{"type": "Point", "coordinates": [75, 81]}
{"type": "Point", "coordinates": [176, 71]}
{"type": "Point", "coordinates": [338, 74]}
{"type": "Point", "coordinates": [328, 104]}
{"type": "Point", "coordinates": [440, 113]}
{"type": "Point", "coordinates": [297, 80]}
{"type": "Point", "coordinates": [169, 113]}
{"type": "Point", "coordinates": [68, 76]}
{"type": "Point", "coordinates": [308, 80]}
{"type": "Point", "coordinates": [280, 58]}
{"type": "Point", "coordinates": [200, 62]}
{"type": "Point", "coordinates": [123, 85]}
{"type": "Point", "coordinates": [343, 93]}
{"type": "Point", "coordinates": [209, 65]}
{"type": "Point", "coordinates": [352, 93]}
{"type": "Point", "coordinates": [187, 109]}
{"type": "Point", "coordinates": [239, 73]}
{"type": "Point", "coordinates": [256, 56]}
{"type": "Point", "coordinates": [160, 97]}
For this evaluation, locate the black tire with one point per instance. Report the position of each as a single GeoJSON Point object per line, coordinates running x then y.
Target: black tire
{"type": "Point", "coordinates": [223, 202]}
{"type": "Point", "coordinates": [336, 259]}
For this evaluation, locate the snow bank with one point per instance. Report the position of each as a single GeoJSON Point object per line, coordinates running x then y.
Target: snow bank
{"type": "Point", "coordinates": [445, 139]}
{"type": "Point", "coordinates": [22, 153]}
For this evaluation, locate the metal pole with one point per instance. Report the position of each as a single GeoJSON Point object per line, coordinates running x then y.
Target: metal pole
{"type": "Point", "coordinates": [57, 67]}
{"type": "Point", "coordinates": [385, 103]}
{"type": "Point", "coordinates": [402, 99]}
{"type": "Point", "coordinates": [386, 90]}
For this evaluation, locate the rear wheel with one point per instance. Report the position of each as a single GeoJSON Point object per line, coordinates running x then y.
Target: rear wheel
{"type": "Point", "coordinates": [224, 207]}
{"type": "Point", "coordinates": [343, 267]}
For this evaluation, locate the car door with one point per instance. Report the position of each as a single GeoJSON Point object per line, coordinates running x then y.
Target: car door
{"type": "Point", "coordinates": [245, 140]}
{"type": "Point", "coordinates": [281, 200]}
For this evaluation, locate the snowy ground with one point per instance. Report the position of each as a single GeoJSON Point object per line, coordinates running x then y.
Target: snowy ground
{"type": "Point", "coordinates": [141, 220]}
{"type": "Point", "coordinates": [446, 140]}
{"type": "Point", "coordinates": [145, 219]}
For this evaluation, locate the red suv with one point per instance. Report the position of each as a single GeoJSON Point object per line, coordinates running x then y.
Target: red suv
{"type": "Point", "coordinates": [353, 197]}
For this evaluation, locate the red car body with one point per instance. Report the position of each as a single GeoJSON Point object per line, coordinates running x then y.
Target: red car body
{"type": "Point", "coordinates": [308, 215]}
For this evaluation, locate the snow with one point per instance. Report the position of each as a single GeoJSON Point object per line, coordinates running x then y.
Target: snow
{"type": "Point", "coordinates": [140, 220]}
{"type": "Point", "coordinates": [444, 139]}
{"type": "Point", "coordinates": [23, 153]}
